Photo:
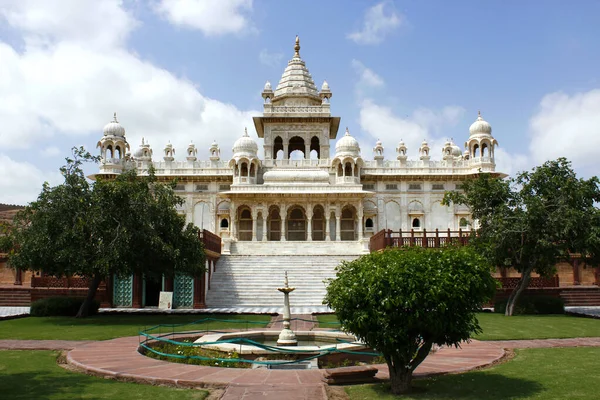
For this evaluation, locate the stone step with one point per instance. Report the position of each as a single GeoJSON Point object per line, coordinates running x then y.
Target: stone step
{"type": "Point", "coordinates": [252, 280]}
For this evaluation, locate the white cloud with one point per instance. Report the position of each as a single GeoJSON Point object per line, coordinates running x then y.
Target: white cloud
{"type": "Point", "coordinates": [270, 59]}
{"type": "Point", "coordinates": [61, 86]}
{"type": "Point", "coordinates": [21, 182]}
{"type": "Point", "coordinates": [367, 77]}
{"type": "Point", "coordinates": [51, 151]}
{"type": "Point", "coordinates": [212, 17]}
{"type": "Point", "coordinates": [380, 20]}
{"type": "Point", "coordinates": [90, 23]}
{"type": "Point", "coordinates": [380, 122]}
{"type": "Point", "coordinates": [511, 163]}
{"type": "Point", "coordinates": [567, 126]}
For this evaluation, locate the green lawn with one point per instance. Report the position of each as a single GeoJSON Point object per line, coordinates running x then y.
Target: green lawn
{"type": "Point", "coordinates": [548, 374]}
{"type": "Point", "coordinates": [35, 375]}
{"type": "Point", "coordinates": [499, 327]}
{"type": "Point", "coordinates": [109, 326]}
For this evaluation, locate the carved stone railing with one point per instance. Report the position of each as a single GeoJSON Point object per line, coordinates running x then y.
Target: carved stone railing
{"type": "Point", "coordinates": [534, 282]}
{"type": "Point", "coordinates": [62, 282]}
{"type": "Point", "coordinates": [211, 241]}
{"type": "Point", "coordinates": [421, 238]}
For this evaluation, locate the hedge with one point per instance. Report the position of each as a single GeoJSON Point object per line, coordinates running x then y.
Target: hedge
{"type": "Point", "coordinates": [534, 305]}
{"type": "Point", "coordinates": [60, 306]}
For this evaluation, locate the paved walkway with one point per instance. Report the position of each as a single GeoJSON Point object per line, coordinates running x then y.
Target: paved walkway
{"type": "Point", "coordinates": [41, 344]}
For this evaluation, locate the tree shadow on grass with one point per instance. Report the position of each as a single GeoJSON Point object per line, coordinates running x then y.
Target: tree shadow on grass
{"type": "Point", "coordinates": [469, 386]}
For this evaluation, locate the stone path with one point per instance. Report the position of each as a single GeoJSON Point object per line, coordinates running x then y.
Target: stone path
{"type": "Point", "coordinates": [41, 344]}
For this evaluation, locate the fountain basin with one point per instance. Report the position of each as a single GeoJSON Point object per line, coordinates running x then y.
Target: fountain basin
{"type": "Point", "coordinates": [309, 342]}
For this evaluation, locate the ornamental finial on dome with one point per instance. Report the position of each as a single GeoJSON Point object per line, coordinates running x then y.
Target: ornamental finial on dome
{"type": "Point", "coordinates": [246, 131]}
{"type": "Point", "coordinates": [297, 48]}
{"type": "Point", "coordinates": [115, 117]}
{"type": "Point", "coordinates": [347, 132]}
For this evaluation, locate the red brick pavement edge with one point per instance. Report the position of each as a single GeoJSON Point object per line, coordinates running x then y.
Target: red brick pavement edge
{"type": "Point", "coordinates": [119, 359]}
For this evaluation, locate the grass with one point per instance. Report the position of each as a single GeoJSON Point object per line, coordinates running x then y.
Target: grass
{"type": "Point", "coordinates": [36, 375]}
{"type": "Point", "coordinates": [534, 374]}
{"type": "Point", "coordinates": [109, 326]}
{"type": "Point", "coordinates": [499, 327]}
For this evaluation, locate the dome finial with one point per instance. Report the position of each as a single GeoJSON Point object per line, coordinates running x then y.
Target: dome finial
{"type": "Point", "coordinates": [347, 132]}
{"type": "Point", "coordinates": [246, 131]}
{"type": "Point", "coordinates": [479, 114]}
{"type": "Point", "coordinates": [297, 48]}
{"type": "Point", "coordinates": [115, 117]}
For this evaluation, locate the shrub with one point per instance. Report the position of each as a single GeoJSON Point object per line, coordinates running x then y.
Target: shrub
{"type": "Point", "coordinates": [60, 306]}
{"type": "Point", "coordinates": [534, 305]}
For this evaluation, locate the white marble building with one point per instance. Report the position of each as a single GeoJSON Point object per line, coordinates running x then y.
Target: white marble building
{"type": "Point", "coordinates": [304, 190]}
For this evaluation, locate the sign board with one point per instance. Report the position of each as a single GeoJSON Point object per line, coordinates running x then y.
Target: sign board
{"type": "Point", "coordinates": [165, 301]}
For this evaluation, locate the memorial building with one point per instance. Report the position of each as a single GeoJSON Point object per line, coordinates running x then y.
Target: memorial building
{"type": "Point", "coordinates": [312, 200]}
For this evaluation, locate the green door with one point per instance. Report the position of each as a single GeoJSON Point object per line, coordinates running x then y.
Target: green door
{"type": "Point", "coordinates": [123, 291]}
{"type": "Point", "coordinates": [183, 291]}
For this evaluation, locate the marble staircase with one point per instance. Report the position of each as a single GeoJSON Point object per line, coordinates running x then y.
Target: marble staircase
{"type": "Point", "coordinates": [252, 279]}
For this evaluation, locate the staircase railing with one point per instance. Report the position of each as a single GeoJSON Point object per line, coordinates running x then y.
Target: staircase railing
{"type": "Point", "coordinates": [210, 241]}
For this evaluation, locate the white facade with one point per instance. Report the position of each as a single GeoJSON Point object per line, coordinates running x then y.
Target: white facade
{"type": "Point", "coordinates": [303, 189]}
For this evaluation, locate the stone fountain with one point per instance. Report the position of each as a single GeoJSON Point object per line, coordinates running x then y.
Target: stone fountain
{"type": "Point", "coordinates": [287, 337]}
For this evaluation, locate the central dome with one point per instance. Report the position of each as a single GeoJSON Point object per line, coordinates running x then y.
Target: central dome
{"type": "Point", "coordinates": [296, 80]}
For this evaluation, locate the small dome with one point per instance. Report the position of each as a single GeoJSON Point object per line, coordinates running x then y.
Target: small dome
{"type": "Point", "coordinates": [424, 144]}
{"type": "Point", "coordinates": [480, 126]}
{"type": "Point", "coordinates": [113, 128]}
{"type": "Point", "coordinates": [245, 146]}
{"type": "Point", "coordinates": [401, 143]}
{"type": "Point", "coordinates": [378, 142]}
{"type": "Point", "coordinates": [325, 86]}
{"type": "Point", "coordinates": [268, 86]}
{"type": "Point", "coordinates": [456, 151]}
{"type": "Point", "coordinates": [347, 145]}
{"type": "Point", "coordinates": [214, 144]}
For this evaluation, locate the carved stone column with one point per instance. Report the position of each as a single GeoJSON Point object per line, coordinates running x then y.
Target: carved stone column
{"type": "Point", "coordinates": [309, 216]}
{"type": "Point", "coordinates": [338, 226]}
{"type": "Point", "coordinates": [307, 151]}
{"type": "Point", "coordinates": [264, 236]}
{"type": "Point", "coordinates": [232, 215]}
{"type": "Point", "coordinates": [283, 215]}
{"type": "Point", "coordinates": [254, 216]}
{"type": "Point", "coordinates": [327, 219]}
{"type": "Point", "coordinates": [285, 151]}
{"type": "Point", "coordinates": [360, 221]}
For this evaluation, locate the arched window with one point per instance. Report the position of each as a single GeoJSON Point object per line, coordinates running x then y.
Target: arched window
{"type": "Point", "coordinates": [476, 150]}
{"type": "Point", "coordinates": [109, 151]}
{"type": "Point", "coordinates": [315, 146]}
{"type": "Point", "coordinates": [340, 170]}
{"type": "Point", "coordinates": [348, 169]}
{"type": "Point", "coordinates": [416, 223]}
{"type": "Point", "coordinates": [347, 224]}
{"type": "Point", "coordinates": [274, 224]}
{"type": "Point", "coordinates": [463, 223]}
{"type": "Point", "coordinates": [318, 224]}
{"type": "Point", "coordinates": [244, 169]}
{"type": "Point", "coordinates": [252, 170]}
{"type": "Point", "coordinates": [224, 223]}
{"type": "Point", "coordinates": [369, 224]}
{"type": "Point", "coordinates": [118, 152]}
{"type": "Point", "coordinates": [484, 150]}
{"type": "Point", "coordinates": [296, 225]}
{"type": "Point", "coordinates": [245, 225]}
{"type": "Point", "coordinates": [278, 147]}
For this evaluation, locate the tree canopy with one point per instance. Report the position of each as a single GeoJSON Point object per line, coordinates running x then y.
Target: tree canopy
{"type": "Point", "coordinates": [533, 220]}
{"type": "Point", "coordinates": [401, 302]}
{"type": "Point", "coordinates": [119, 225]}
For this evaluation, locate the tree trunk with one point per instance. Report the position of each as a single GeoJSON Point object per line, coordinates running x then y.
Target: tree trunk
{"type": "Point", "coordinates": [516, 293]}
{"type": "Point", "coordinates": [400, 379]}
{"type": "Point", "coordinates": [92, 289]}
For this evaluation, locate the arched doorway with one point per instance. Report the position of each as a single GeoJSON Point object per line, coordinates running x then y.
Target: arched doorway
{"type": "Point", "coordinates": [245, 225]}
{"type": "Point", "coordinates": [296, 224]}
{"type": "Point", "coordinates": [318, 224]}
{"type": "Point", "coordinates": [315, 146]}
{"type": "Point", "coordinates": [348, 223]}
{"type": "Point", "coordinates": [277, 147]}
{"type": "Point", "coordinates": [274, 225]}
{"type": "Point", "coordinates": [296, 143]}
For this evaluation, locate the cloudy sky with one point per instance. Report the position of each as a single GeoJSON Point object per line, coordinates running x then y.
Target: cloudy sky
{"type": "Point", "coordinates": [193, 70]}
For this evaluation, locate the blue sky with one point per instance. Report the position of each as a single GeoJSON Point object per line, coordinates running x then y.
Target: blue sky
{"type": "Point", "coordinates": [184, 70]}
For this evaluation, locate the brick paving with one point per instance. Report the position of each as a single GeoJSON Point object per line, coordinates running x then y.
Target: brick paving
{"type": "Point", "coordinates": [41, 344]}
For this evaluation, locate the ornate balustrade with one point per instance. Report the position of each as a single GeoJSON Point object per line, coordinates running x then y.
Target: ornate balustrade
{"type": "Point", "coordinates": [211, 241]}
{"type": "Point", "coordinates": [421, 238]}
{"type": "Point", "coordinates": [534, 282]}
{"type": "Point", "coordinates": [60, 282]}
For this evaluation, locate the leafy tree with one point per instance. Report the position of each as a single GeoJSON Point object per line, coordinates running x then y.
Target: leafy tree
{"type": "Point", "coordinates": [531, 221]}
{"type": "Point", "coordinates": [119, 226]}
{"type": "Point", "coordinates": [401, 302]}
